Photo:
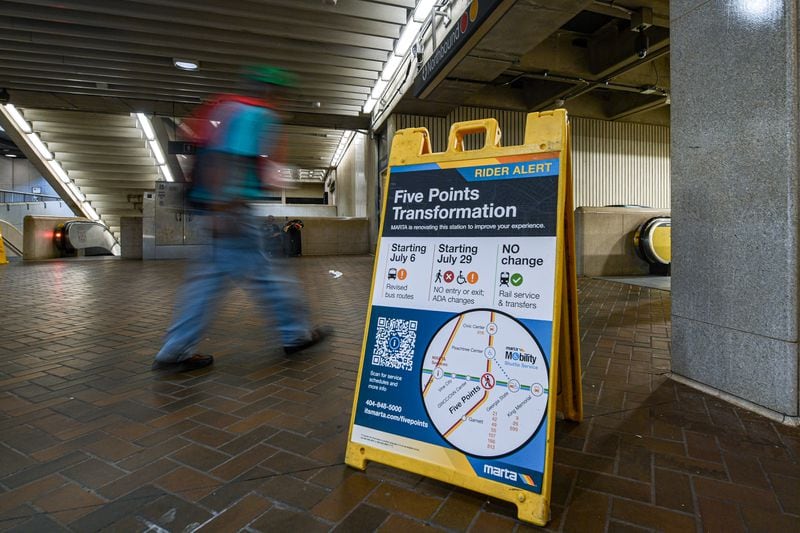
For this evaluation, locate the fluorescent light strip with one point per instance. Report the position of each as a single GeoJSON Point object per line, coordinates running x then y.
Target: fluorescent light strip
{"type": "Point", "coordinates": [91, 212]}
{"type": "Point", "coordinates": [369, 105]}
{"type": "Point", "coordinates": [19, 119]}
{"type": "Point", "coordinates": [423, 9]}
{"type": "Point", "coordinates": [166, 172]}
{"type": "Point", "coordinates": [344, 142]}
{"type": "Point", "coordinates": [76, 191]}
{"type": "Point", "coordinates": [55, 166]}
{"type": "Point", "coordinates": [157, 152]}
{"type": "Point", "coordinates": [380, 86]}
{"type": "Point", "coordinates": [59, 171]}
{"type": "Point", "coordinates": [155, 147]}
{"type": "Point", "coordinates": [40, 147]}
{"type": "Point", "coordinates": [391, 66]}
{"type": "Point", "coordinates": [144, 122]}
{"type": "Point", "coordinates": [407, 37]}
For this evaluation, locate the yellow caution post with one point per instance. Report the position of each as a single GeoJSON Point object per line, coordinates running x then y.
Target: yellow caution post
{"type": "Point", "coordinates": [471, 342]}
{"type": "Point", "coordinates": [3, 258]}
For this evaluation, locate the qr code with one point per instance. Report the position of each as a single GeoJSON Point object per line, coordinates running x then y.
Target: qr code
{"type": "Point", "coordinates": [394, 343]}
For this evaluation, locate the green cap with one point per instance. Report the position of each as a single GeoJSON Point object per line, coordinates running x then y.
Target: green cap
{"type": "Point", "coordinates": [271, 76]}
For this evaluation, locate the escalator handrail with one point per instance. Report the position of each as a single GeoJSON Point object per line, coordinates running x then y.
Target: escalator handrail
{"type": "Point", "coordinates": [10, 246]}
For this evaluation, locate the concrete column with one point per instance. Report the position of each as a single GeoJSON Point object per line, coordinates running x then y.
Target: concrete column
{"type": "Point", "coordinates": [735, 198]}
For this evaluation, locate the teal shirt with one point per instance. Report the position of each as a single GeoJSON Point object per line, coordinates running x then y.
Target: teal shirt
{"type": "Point", "coordinates": [244, 133]}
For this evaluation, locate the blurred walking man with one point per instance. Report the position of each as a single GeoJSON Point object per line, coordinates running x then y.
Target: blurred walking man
{"type": "Point", "coordinates": [240, 144]}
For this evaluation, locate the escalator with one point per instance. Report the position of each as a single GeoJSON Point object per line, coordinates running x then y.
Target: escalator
{"type": "Point", "coordinates": [85, 237]}
{"type": "Point", "coordinates": [653, 243]}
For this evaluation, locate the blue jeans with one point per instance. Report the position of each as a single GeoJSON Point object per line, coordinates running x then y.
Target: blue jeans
{"type": "Point", "coordinates": [238, 255]}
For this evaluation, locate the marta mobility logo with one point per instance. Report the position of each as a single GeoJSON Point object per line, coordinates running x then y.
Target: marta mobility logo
{"type": "Point", "coordinates": [518, 354]}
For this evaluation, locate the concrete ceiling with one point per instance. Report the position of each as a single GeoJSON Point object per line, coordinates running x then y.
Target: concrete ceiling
{"type": "Point", "coordinates": [117, 57]}
{"type": "Point", "coordinates": [581, 52]}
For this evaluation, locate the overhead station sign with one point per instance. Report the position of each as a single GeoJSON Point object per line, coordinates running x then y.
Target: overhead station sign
{"type": "Point", "coordinates": [474, 21]}
{"type": "Point", "coordinates": [467, 318]}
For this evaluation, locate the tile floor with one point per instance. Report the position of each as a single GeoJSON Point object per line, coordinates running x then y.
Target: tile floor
{"type": "Point", "coordinates": [654, 282]}
{"type": "Point", "coordinates": [91, 440]}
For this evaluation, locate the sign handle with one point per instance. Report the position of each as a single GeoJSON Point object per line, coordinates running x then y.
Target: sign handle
{"type": "Point", "coordinates": [489, 126]}
{"type": "Point", "coordinates": [412, 142]}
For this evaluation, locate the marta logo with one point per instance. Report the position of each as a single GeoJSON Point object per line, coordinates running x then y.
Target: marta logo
{"type": "Point", "coordinates": [518, 354]}
{"type": "Point", "coordinates": [502, 473]}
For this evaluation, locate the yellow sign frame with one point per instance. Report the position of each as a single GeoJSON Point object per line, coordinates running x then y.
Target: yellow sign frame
{"type": "Point", "coordinates": [3, 258]}
{"type": "Point", "coordinates": [545, 132]}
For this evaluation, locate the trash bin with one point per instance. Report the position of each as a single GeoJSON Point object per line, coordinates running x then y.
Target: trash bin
{"type": "Point", "coordinates": [292, 243]}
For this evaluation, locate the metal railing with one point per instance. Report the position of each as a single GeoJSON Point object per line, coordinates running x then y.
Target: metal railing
{"type": "Point", "coordinates": [10, 247]}
{"type": "Point", "coordinates": [10, 197]}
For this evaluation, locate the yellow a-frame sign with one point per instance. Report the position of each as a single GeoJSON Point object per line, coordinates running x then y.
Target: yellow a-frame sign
{"type": "Point", "coordinates": [471, 341]}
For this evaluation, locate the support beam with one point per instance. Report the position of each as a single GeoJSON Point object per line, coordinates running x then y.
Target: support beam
{"type": "Point", "coordinates": [632, 104]}
{"type": "Point", "coordinates": [614, 49]}
{"type": "Point", "coordinates": [660, 13]}
{"type": "Point", "coordinates": [339, 122]}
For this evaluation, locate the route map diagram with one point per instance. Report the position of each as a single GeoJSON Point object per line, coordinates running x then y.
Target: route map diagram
{"type": "Point", "coordinates": [485, 383]}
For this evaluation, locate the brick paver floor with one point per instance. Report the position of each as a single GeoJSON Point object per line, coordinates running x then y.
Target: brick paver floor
{"type": "Point", "coordinates": [91, 440]}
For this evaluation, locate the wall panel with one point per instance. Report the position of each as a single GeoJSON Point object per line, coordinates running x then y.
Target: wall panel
{"type": "Point", "coordinates": [351, 180]}
{"type": "Point", "coordinates": [620, 163]}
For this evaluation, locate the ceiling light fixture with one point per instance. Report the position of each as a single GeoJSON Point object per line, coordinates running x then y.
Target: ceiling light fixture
{"type": "Point", "coordinates": [18, 118]}
{"type": "Point", "coordinates": [186, 64]}
{"type": "Point", "coordinates": [391, 66]}
{"type": "Point", "coordinates": [344, 143]}
{"type": "Point", "coordinates": [89, 210]}
{"type": "Point", "coordinates": [76, 191]}
{"type": "Point", "coordinates": [147, 128]}
{"type": "Point", "coordinates": [59, 171]}
{"type": "Point", "coordinates": [408, 37]}
{"type": "Point", "coordinates": [40, 147]}
{"type": "Point", "coordinates": [158, 153]}
{"type": "Point", "coordinates": [369, 105]}
{"type": "Point", "coordinates": [378, 89]}
{"type": "Point", "coordinates": [155, 146]}
{"type": "Point", "coordinates": [394, 62]}
{"type": "Point", "coordinates": [423, 9]}
{"type": "Point", "coordinates": [166, 173]}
